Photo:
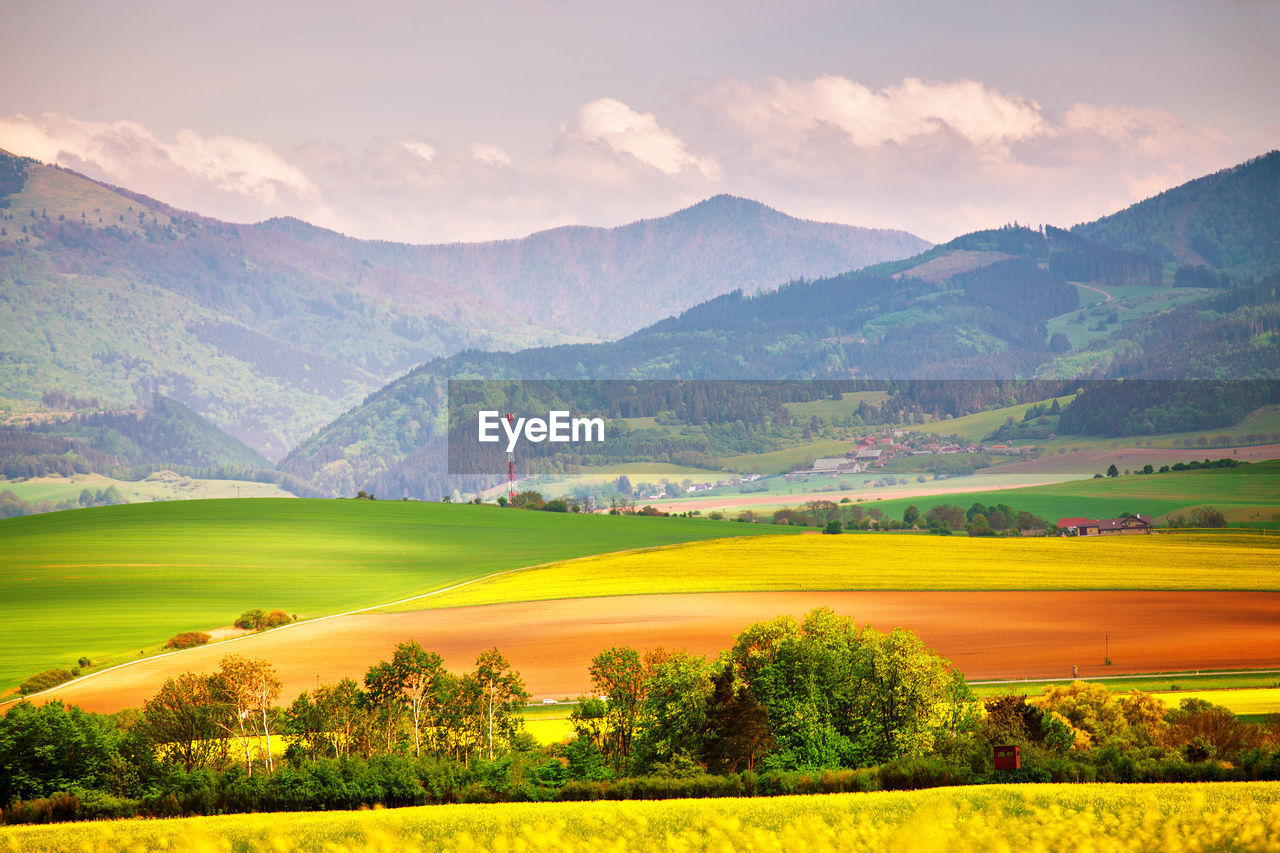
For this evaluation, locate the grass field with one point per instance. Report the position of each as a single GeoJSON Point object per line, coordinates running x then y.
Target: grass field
{"type": "Point", "coordinates": [973, 427]}
{"type": "Point", "coordinates": [107, 583]}
{"type": "Point", "coordinates": [1129, 303]}
{"type": "Point", "coordinates": [160, 486]}
{"type": "Point", "coordinates": [1185, 817]}
{"type": "Point", "coordinates": [786, 459]}
{"type": "Point", "coordinates": [894, 562]}
{"type": "Point", "coordinates": [1168, 683]}
{"type": "Point", "coordinates": [1249, 493]}
{"type": "Point", "coordinates": [830, 410]}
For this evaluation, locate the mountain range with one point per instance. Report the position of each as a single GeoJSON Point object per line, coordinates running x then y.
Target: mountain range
{"type": "Point", "coordinates": [1014, 302]}
{"type": "Point", "coordinates": [270, 330]}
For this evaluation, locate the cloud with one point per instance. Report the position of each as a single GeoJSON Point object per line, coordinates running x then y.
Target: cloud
{"type": "Point", "coordinates": [126, 152]}
{"type": "Point", "coordinates": [788, 114]}
{"type": "Point", "coordinates": [935, 158]}
{"type": "Point", "coordinates": [489, 154]}
{"type": "Point", "coordinates": [610, 125]}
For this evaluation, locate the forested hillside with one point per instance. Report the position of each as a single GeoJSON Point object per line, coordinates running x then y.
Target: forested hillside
{"type": "Point", "coordinates": [986, 322]}
{"type": "Point", "coordinates": [272, 330]}
{"type": "Point", "coordinates": [129, 444]}
{"type": "Point", "coordinates": [1228, 221]}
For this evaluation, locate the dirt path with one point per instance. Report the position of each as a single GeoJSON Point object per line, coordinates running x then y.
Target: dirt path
{"type": "Point", "coordinates": [1095, 290]}
{"type": "Point", "coordinates": [987, 635]}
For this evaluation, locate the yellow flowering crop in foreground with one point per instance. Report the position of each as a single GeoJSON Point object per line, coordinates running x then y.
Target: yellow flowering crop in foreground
{"type": "Point", "coordinates": [1190, 817]}
{"type": "Point", "coordinates": [891, 562]}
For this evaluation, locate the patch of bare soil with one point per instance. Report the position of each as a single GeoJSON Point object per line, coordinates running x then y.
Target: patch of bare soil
{"type": "Point", "coordinates": [986, 635]}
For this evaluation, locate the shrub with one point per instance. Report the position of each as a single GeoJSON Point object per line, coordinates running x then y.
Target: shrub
{"type": "Point", "coordinates": [258, 619]}
{"type": "Point", "coordinates": [1207, 516]}
{"type": "Point", "coordinates": [187, 640]}
{"type": "Point", "coordinates": [45, 680]}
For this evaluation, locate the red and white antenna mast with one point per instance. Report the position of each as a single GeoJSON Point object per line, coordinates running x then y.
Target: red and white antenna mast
{"type": "Point", "coordinates": [511, 464]}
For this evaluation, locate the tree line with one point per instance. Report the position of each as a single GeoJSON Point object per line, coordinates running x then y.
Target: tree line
{"type": "Point", "coordinates": [815, 706]}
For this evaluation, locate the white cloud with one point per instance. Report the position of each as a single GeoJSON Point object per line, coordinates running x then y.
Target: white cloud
{"type": "Point", "coordinates": [421, 149]}
{"type": "Point", "coordinates": [613, 126]}
{"type": "Point", "coordinates": [935, 158]}
{"type": "Point", "coordinates": [786, 114]}
{"type": "Point", "coordinates": [127, 151]}
{"type": "Point", "coordinates": [489, 154]}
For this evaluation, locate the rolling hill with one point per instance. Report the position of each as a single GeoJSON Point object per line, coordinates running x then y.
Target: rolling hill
{"type": "Point", "coordinates": [271, 330]}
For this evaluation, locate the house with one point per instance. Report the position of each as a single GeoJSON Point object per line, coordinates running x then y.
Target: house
{"type": "Point", "coordinates": [1129, 525]}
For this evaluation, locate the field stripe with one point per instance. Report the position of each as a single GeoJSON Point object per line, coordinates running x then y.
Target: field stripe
{"type": "Point", "coordinates": [81, 679]}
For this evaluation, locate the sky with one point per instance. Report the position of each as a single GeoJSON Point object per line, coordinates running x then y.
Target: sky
{"type": "Point", "coordinates": [430, 122]}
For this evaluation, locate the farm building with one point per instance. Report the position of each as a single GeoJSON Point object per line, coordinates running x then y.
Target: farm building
{"type": "Point", "coordinates": [1130, 524]}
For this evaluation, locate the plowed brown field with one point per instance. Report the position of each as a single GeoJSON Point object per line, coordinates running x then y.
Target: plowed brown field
{"type": "Point", "coordinates": [986, 635]}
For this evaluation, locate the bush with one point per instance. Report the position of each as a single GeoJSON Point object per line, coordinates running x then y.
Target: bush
{"type": "Point", "coordinates": [1207, 516]}
{"type": "Point", "coordinates": [45, 680]}
{"type": "Point", "coordinates": [187, 640]}
{"type": "Point", "coordinates": [259, 620]}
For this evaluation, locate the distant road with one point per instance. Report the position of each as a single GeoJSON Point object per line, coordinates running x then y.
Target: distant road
{"type": "Point", "coordinates": [1095, 290]}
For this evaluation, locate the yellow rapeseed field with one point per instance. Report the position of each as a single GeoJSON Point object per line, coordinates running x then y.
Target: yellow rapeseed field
{"type": "Point", "coordinates": [893, 562]}
{"type": "Point", "coordinates": [1185, 817]}
{"type": "Point", "coordinates": [1244, 700]}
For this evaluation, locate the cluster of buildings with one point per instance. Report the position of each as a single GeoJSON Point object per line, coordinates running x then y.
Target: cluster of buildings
{"type": "Point", "coordinates": [1130, 524]}
{"type": "Point", "coordinates": [703, 487]}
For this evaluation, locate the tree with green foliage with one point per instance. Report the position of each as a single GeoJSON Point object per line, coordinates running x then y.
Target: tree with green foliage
{"type": "Point", "coordinates": [738, 732]}
{"type": "Point", "coordinates": [1112, 470]}
{"type": "Point", "coordinates": [618, 675]}
{"type": "Point", "coordinates": [674, 710]}
{"type": "Point", "coordinates": [839, 695]}
{"type": "Point", "coordinates": [51, 747]}
{"type": "Point", "coordinates": [502, 693]}
{"type": "Point", "coordinates": [945, 515]}
{"type": "Point", "coordinates": [180, 721]}
{"type": "Point", "coordinates": [244, 691]}
{"type": "Point", "coordinates": [911, 515]}
{"type": "Point", "coordinates": [418, 672]}
{"type": "Point", "coordinates": [386, 701]}
{"type": "Point", "coordinates": [1207, 516]}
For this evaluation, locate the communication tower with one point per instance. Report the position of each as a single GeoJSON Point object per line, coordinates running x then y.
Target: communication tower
{"type": "Point", "coordinates": [511, 464]}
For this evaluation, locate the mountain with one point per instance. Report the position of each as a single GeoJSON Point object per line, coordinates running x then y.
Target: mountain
{"type": "Point", "coordinates": [166, 434]}
{"type": "Point", "coordinates": [1227, 221]}
{"type": "Point", "coordinates": [1008, 303]}
{"type": "Point", "coordinates": [985, 318]}
{"type": "Point", "coordinates": [607, 282]}
{"type": "Point", "coordinates": [271, 330]}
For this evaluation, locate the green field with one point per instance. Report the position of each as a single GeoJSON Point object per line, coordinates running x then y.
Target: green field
{"type": "Point", "coordinates": [160, 486]}
{"type": "Point", "coordinates": [1128, 303]}
{"type": "Point", "coordinates": [1097, 817]}
{"type": "Point", "coordinates": [972, 428]}
{"type": "Point", "coordinates": [109, 582]}
{"type": "Point", "coordinates": [1247, 494]}
{"type": "Point", "coordinates": [830, 410]}
{"type": "Point", "coordinates": [1156, 683]}
{"type": "Point", "coordinates": [786, 459]}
